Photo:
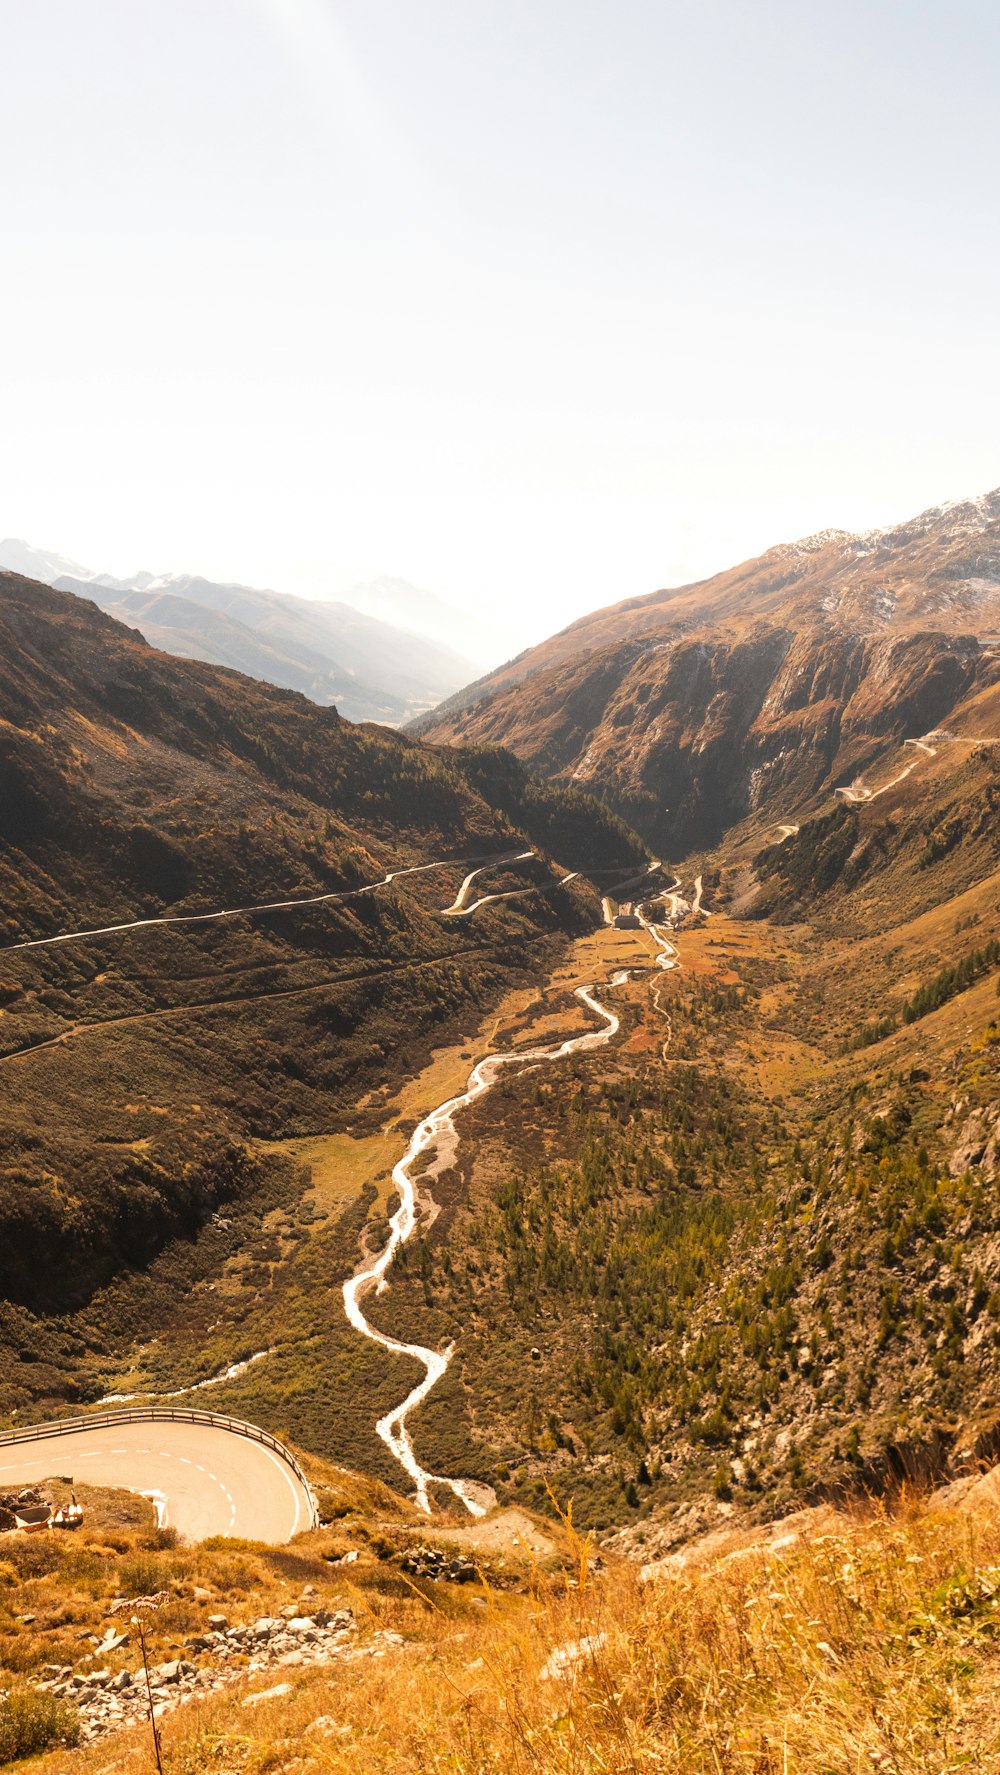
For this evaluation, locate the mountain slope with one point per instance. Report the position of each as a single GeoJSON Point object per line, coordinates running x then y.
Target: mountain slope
{"type": "Point", "coordinates": [749, 1259]}
{"type": "Point", "coordinates": [142, 1070]}
{"type": "Point", "coordinates": [373, 670]}
{"type": "Point", "coordinates": [195, 628]}
{"type": "Point", "coordinates": [690, 709]}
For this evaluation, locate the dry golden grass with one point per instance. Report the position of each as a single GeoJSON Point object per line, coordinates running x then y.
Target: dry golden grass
{"type": "Point", "coordinates": [870, 1649]}
{"type": "Point", "coordinates": [342, 1164]}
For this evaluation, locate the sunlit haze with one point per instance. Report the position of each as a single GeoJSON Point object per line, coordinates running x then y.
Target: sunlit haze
{"type": "Point", "coordinates": [535, 305]}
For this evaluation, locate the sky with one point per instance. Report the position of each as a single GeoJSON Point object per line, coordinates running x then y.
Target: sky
{"type": "Point", "coordinates": [536, 303]}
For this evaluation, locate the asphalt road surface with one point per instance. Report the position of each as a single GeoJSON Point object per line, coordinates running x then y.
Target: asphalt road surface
{"type": "Point", "coordinates": [204, 1480]}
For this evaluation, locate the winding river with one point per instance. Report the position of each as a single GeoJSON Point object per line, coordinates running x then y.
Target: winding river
{"type": "Point", "coordinates": [437, 1134]}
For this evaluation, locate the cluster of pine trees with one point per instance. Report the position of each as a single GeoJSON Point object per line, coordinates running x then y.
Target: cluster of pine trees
{"type": "Point", "coordinates": [952, 980]}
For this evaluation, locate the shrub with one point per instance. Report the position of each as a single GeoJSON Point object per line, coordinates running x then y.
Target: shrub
{"type": "Point", "coordinates": [31, 1558]}
{"type": "Point", "coordinates": [140, 1575]}
{"type": "Point", "coordinates": [22, 1652]}
{"type": "Point", "coordinates": [30, 1723]}
{"type": "Point", "coordinates": [162, 1539]}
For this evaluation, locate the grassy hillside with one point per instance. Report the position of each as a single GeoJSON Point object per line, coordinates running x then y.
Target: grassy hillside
{"type": "Point", "coordinates": [746, 1256]}
{"type": "Point", "coordinates": [843, 1644]}
{"type": "Point", "coordinates": [150, 1077]}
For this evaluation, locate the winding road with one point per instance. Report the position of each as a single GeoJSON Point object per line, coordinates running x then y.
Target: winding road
{"type": "Point", "coordinates": [293, 905]}
{"type": "Point", "coordinates": [458, 904]}
{"type": "Point", "coordinates": [677, 906]}
{"type": "Point", "coordinates": [857, 792]}
{"type": "Point", "coordinates": [929, 744]}
{"type": "Point", "coordinates": [203, 1478]}
{"type": "Point", "coordinates": [544, 887]}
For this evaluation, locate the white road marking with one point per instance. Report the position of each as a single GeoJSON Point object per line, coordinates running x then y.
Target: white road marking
{"type": "Point", "coordinates": [160, 1503]}
{"type": "Point", "coordinates": [295, 1489]}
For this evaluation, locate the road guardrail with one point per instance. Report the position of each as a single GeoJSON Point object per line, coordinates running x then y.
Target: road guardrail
{"type": "Point", "coordinates": [140, 1414]}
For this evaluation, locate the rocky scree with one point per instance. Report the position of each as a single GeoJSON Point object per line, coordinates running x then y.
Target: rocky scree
{"type": "Point", "coordinates": [220, 1656]}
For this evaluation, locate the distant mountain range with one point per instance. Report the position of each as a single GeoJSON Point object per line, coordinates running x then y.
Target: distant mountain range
{"type": "Point", "coordinates": [378, 656]}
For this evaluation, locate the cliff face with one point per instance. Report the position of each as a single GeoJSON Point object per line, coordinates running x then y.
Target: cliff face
{"type": "Point", "coordinates": [693, 707]}
{"type": "Point", "coordinates": [688, 736]}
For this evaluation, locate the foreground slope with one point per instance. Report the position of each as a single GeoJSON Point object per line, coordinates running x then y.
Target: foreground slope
{"type": "Point", "coordinates": [847, 1643]}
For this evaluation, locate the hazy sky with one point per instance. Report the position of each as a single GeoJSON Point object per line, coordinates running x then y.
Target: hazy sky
{"type": "Point", "coordinates": [544, 302]}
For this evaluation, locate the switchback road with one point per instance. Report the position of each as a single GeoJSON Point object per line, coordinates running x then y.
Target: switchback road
{"type": "Point", "coordinates": [203, 1478]}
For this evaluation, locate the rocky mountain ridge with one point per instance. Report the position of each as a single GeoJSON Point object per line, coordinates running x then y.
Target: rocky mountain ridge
{"type": "Point", "coordinates": [691, 709]}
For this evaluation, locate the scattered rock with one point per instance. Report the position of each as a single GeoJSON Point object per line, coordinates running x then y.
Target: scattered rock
{"type": "Point", "coordinates": [566, 1659]}
{"type": "Point", "coordinates": [267, 1694]}
{"type": "Point", "coordinates": [432, 1562]}
{"type": "Point", "coordinates": [107, 1701]}
{"type": "Point", "coordinates": [327, 1726]}
{"type": "Point", "coordinates": [113, 1642]}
